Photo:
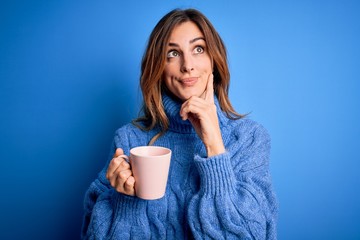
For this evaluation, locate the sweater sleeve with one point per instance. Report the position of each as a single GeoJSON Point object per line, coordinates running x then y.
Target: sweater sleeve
{"type": "Point", "coordinates": [235, 199]}
{"type": "Point", "coordinates": [105, 209]}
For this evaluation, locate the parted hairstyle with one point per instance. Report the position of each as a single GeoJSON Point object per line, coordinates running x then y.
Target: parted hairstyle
{"type": "Point", "coordinates": [153, 65]}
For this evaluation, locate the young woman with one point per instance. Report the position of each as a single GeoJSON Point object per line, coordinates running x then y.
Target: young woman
{"type": "Point", "coordinates": [219, 186]}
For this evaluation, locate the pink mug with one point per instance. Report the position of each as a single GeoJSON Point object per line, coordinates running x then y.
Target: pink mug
{"type": "Point", "coordinates": [150, 166]}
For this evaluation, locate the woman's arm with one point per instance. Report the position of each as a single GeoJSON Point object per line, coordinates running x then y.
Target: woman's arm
{"type": "Point", "coordinates": [201, 112]}
{"type": "Point", "coordinates": [236, 200]}
{"type": "Point", "coordinates": [108, 212]}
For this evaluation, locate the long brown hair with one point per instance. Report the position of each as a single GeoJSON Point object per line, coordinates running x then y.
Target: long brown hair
{"type": "Point", "coordinates": [153, 65]}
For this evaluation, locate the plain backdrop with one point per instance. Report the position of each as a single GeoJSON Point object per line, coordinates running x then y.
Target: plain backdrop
{"type": "Point", "coordinates": [69, 73]}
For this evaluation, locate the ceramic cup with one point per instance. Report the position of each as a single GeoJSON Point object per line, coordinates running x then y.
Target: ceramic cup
{"type": "Point", "coordinates": [150, 167]}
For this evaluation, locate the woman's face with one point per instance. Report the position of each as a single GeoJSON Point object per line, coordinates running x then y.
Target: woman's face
{"type": "Point", "coordinates": [188, 64]}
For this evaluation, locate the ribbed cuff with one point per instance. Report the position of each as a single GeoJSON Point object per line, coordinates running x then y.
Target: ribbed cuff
{"type": "Point", "coordinates": [129, 208]}
{"type": "Point", "coordinates": [216, 173]}
{"type": "Point", "coordinates": [100, 186]}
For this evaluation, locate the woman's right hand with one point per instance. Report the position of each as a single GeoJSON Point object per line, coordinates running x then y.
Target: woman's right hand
{"type": "Point", "coordinates": [120, 175]}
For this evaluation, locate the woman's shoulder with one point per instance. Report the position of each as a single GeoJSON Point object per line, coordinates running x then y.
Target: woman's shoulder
{"type": "Point", "coordinates": [126, 129]}
{"type": "Point", "coordinates": [132, 135]}
{"type": "Point", "coordinates": [248, 127]}
{"type": "Point", "coordinates": [131, 129]}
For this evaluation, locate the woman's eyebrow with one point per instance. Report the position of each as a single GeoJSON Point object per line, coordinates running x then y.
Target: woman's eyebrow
{"type": "Point", "coordinates": [191, 41]}
{"type": "Point", "coordinates": [173, 44]}
{"type": "Point", "coordinates": [197, 39]}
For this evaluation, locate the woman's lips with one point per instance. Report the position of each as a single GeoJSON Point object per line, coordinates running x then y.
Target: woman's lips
{"type": "Point", "coordinates": [188, 82]}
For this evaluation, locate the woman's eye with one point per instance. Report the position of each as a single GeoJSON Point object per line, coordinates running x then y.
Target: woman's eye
{"type": "Point", "coordinates": [172, 54]}
{"type": "Point", "coordinates": [198, 50]}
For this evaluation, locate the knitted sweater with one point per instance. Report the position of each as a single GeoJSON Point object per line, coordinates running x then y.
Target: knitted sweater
{"type": "Point", "coordinates": [228, 196]}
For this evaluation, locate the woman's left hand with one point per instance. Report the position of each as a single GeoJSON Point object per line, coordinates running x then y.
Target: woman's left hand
{"type": "Point", "coordinates": [201, 112]}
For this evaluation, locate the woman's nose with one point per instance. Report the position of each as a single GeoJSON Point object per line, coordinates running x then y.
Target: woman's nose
{"type": "Point", "coordinates": [187, 64]}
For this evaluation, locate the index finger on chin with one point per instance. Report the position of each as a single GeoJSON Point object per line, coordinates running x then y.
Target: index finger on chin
{"type": "Point", "coordinates": [210, 89]}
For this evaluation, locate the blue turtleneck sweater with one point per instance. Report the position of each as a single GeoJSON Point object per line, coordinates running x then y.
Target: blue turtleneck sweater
{"type": "Point", "coordinates": [228, 196]}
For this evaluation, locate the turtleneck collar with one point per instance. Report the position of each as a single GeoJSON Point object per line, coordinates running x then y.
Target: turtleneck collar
{"type": "Point", "coordinates": [172, 109]}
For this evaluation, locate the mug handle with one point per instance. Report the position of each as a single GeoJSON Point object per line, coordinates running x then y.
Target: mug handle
{"type": "Point", "coordinates": [125, 157]}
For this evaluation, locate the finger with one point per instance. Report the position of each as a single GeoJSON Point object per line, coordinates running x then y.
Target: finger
{"type": "Point", "coordinates": [112, 175]}
{"type": "Point", "coordinates": [113, 165]}
{"type": "Point", "coordinates": [121, 178]}
{"type": "Point", "coordinates": [191, 109]}
{"type": "Point", "coordinates": [129, 186]}
{"type": "Point", "coordinates": [209, 95]}
{"type": "Point", "coordinates": [117, 163]}
{"type": "Point", "coordinates": [124, 164]}
{"type": "Point", "coordinates": [118, 152]}
{"type": "Point", "coordinates": [194, 105]}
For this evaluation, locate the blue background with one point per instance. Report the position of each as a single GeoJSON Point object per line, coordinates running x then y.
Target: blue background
{"type": "Point", "coordinates": [69, 75]}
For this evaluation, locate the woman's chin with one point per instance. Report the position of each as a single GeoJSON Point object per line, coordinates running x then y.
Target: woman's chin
{"type": "Point", "coordinates": [187, 96]}
{"type": "Point", "coordinates": [184, 96]}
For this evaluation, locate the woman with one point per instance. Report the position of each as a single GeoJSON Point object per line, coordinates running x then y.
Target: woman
{"type": "Point", "coordinates": [219, 185]}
